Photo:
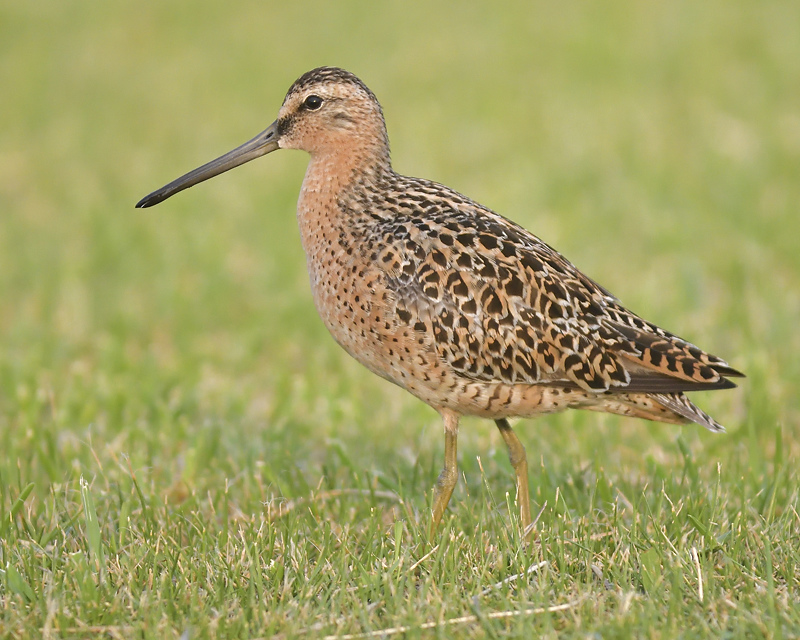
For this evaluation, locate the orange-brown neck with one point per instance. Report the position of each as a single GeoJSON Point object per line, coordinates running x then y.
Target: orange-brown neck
{"type": "Point", "coordinates": [332, 172]}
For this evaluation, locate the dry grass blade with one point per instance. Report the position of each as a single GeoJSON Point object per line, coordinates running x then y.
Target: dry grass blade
{"type": "Point", "coordinates": [529, 529]}
{"type": "Point", "coordinates": [532, 569]}
{"type": "Point", "coordinates": [112, 631]}
{"type": "Point", "coordinates": [423, 559]}
{"type": "Point", "coordinates": [696, 561]}
{"type": "Point", "coordinates": [495, 615]}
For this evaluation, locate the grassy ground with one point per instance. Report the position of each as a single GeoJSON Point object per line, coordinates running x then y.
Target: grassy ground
{"type": "Point", "coordinates": [166, 386]}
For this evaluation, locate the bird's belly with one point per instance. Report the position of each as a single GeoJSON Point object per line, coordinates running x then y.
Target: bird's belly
{"type": "Point", "coordinates": [350, 306]}
{"type": "Point", "coordinates": [356, 309]}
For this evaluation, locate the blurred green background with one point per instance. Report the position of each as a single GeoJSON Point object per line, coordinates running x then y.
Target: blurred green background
{"type": "Point", "coordinates": [656, 145]}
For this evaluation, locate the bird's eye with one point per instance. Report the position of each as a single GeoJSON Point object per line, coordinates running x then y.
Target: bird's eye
{"type": "Point", "coordinates": [312, 103]}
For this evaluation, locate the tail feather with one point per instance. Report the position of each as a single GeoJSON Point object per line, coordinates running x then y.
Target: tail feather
{"type": "Point", "coordinates": [673, 408]}
{"type": "Point", "coordinates": [684, 407]}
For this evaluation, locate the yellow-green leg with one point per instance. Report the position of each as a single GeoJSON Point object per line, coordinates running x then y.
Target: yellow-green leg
{"type": "Point", "coordinates": [449, 475]}
{"type": "Point", "coordinates": [519, 460]}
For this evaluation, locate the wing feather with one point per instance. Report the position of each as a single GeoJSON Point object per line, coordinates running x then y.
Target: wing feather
{"type": "Point", "coordinates": [502, 306]}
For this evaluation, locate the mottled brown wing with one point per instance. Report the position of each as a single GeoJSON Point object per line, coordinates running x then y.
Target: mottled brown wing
{"type": "Point", "coordinates": [502, 306]}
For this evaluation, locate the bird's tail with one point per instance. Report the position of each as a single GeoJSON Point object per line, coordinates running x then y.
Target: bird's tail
{"type": "Point", "coordinates": [680, 404]}
{"type": "Point", "coordinates": [673, 408]}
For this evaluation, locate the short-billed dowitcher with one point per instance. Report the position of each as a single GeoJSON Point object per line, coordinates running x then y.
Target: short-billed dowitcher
{"type": "Point", "coordinates": [468, 311]}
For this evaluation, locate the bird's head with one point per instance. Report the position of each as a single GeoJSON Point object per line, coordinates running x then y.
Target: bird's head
{"type": "Point", "coordinates": [326, 111]}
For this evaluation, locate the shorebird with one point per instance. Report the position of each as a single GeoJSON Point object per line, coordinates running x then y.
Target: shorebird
{"type": "Point", "coordinates": [458, 305]}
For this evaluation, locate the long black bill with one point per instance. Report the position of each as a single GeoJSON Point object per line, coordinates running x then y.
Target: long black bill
{"type": "Point", "coordinates": [262, 144]}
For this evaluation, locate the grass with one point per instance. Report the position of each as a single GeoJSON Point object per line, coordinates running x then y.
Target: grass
{"type": "Point", "coordinates": [166, 386]}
